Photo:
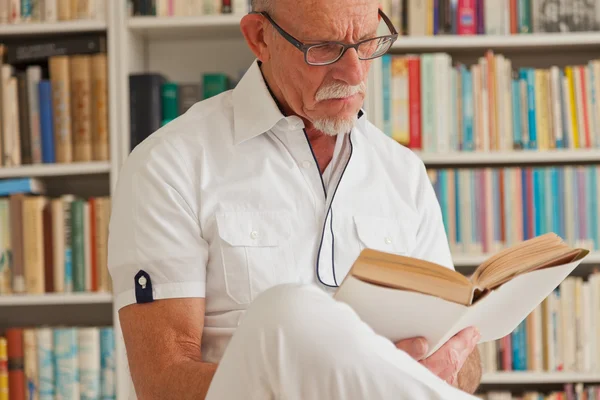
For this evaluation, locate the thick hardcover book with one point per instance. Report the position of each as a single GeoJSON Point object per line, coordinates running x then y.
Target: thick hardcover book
{"type": "Point", "coordinates": [145, 106]}
{"type": "Point", "coordinates": [39, 50]}
{"type": "Point", "coordinates": [401, 297]}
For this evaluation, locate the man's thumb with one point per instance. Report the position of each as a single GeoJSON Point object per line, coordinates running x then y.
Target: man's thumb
{"type": "Point", "coordinates": [416, 347]}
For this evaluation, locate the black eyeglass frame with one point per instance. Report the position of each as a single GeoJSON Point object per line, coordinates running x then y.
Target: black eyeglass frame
{"type": "Point", "coordinates": [306, 47]}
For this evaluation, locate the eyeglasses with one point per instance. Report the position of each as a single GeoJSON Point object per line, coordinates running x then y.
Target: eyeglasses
{"type": "Point", "coordinates": [329, 52]}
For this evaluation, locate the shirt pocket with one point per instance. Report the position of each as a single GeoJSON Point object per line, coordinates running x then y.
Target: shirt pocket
{"type": "Point", "coordinates": [390, 235]}
{"type": "Point", "coordinates": [256, 251]}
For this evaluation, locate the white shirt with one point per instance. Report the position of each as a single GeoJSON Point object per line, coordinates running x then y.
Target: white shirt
{"type": "Point", "coordinates": [227, 201]}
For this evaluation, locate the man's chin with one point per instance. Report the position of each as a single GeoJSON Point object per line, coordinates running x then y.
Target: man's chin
{"type": "Point", "coordinates": [335, 125]}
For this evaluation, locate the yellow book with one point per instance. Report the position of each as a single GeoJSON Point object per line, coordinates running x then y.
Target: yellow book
{"type": "Point", "coordinates": [572, 103]}
{"type": "Point", "coordinates": [3, 370]}
{"type": "Point", "coordinates": [400, 106]}
{"type": "Point", "coordinates": [441, 302]}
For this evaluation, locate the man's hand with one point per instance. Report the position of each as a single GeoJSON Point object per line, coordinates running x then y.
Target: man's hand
{"type": "Point", "coordinates": [449, 359]}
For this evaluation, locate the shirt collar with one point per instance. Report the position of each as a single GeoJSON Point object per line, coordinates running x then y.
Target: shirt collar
{"type": "Point", "coordinates": [255, 109]}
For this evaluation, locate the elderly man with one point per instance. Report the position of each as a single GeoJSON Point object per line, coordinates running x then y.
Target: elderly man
{"type": "Point", "coordinates": [233, 225]}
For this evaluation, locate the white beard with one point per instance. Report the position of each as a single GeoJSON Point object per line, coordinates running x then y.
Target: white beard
{"type": "Point", "coordinates": [335, 126]}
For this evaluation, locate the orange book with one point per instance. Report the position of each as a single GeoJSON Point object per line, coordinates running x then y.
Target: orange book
{"type": "Point", "coordinates": [16, 360]}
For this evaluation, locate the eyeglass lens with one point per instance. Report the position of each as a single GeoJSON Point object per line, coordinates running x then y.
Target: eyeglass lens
{"type": "Point", "coordinates": [327, 53]}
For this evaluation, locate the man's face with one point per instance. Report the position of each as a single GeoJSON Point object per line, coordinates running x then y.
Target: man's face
{"type": "Point", "coordinates": [330, 96]}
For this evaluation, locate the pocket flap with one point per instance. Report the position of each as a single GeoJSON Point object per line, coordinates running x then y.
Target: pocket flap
{"type": "Point", "coordinates": [384, 234]}
{"type": "Point", "coordinates": [254, 228]}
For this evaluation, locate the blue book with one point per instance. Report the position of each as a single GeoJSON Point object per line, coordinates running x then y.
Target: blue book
{"type": "Point", "coordinates": [529, 75]}
{"type": "Point", "coordinates": [563, 113]}
{"type": "Point", "coordinates": [21, 185]}
{"type": "Point", "coordinates": [457, 215]}
{"type": "Point", "coordinates": [443, 194]}
{"type": "Point", "coordinates": [537, 202]}
{"type": "Point", "coordinates": [386, 87]}
{"type": "Point", "coordinates": [66, 368]}
{"type": "Point", "coordinates": [516, 113]}
{"type": "Point", "coordinates": [46, 121]}
{"type": "Point", "coordinates": [107, 364]}
{"type": "Point", "coordinates": [467, 96]}
{"type": "Point", "coordinates": [524, 202]}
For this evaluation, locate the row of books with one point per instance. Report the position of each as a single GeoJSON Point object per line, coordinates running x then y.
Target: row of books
{"type": "Point", "coordinates": [155, 100]}
{"type": "Point", "coordinates": [53, 245]}
{"type": "Point", "coordinates": [433, 106]}
{"type": "Point", "coordinates": [561, 334]}
{"type": "Point", "coordinates": [577, 391]}
{"type": "Point", "coordinates": [54, 109]}
{"type": "Point", "coordinates": [25, 11]}
{"type": "Point", "coordinates": [491, 17]}
{"type": "Point", "coordinates": [487, 209]}
{"type": "Point", "coordinates": [186, 8]}
{"type": "Point", "coordinates": [48, 363]}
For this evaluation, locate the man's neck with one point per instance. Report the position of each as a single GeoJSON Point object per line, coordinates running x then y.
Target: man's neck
{"type": "Point", "coordinates": [322, 145]}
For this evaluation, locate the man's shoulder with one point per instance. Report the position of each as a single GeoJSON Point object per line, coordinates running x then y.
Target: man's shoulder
{"type": "Point", "coordinates": [190, 133]}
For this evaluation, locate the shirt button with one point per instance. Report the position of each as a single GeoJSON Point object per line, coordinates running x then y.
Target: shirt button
{"type": "Point", "coordinates": [306, 164]}
{"type": "Point", "coordinates": [388, 240]}
{"type": "Point", "coordinates": [253, 235]}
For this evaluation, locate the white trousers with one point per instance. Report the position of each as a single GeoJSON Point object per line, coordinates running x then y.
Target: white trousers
{"type": "Point", "coordinates": [297, 343]}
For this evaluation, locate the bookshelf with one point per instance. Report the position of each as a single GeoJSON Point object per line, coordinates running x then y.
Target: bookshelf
{"type": "Point", "coordinates": [55, 299]}
{"type": "Point", "coordinates": [97, 177]}
{"type": "Point", "coordinates": [183, 48]}
{"type": "Point", "coordinates": [51, 28]}
{"type": "Point", "coordinates": [529, 41]}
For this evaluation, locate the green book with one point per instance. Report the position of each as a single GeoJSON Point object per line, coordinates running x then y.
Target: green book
{"type": "Point", "coordinates": [170, 102]}
{"type": "Point", "coordinates": [214, 84]}
{"type": "Point", "coordinates": [78, 245]}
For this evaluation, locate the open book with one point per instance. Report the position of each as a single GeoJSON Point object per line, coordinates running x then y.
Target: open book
{"type": "Point", "coordinates": [402, 297]}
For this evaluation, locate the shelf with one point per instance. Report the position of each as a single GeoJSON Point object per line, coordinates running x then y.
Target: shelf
{"type": "Point", "coordinates": [468, 261]}
{"type": "Point", "coordinates": [55, 299]}
{"type": "Point", "coordinates": [539, 377]}
{"type": "Point", "coordinates": [47, 28]}
{"type": "Point", "coordinates": [205, 27]}
{"type": "Point", "coordinates": [40, 170]}
{"type": "Point", "coordinates": [510, 157]}
{"type": "Point", "coordinates": [523, 42]}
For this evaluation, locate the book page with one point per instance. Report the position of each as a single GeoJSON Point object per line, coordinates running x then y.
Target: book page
{"type": "Point", "coordinates": [399, 314]}
{"type": "Point", "coordinates": [502, 310]}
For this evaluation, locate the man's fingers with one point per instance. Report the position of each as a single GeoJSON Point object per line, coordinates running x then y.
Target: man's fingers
{"type": "Point", "coordinates": [416, 347]}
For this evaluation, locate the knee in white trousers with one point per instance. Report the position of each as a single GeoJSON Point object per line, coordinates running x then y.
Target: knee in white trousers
{"type": "Point", "coordinates": [297, 343]}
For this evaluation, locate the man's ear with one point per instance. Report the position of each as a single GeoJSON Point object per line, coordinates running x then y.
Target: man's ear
{"type": "Point", "coordinates": [253, 29]}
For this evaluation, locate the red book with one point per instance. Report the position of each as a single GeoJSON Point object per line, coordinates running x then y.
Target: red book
{"type": "Point", "coordinates": [586, 125]}
{"type": "Point", "coordinates": [414, 100]}
{"type": "Point", "coordinates": [466, 17]}
{"type": "Point", "coordinates": [16, 372]}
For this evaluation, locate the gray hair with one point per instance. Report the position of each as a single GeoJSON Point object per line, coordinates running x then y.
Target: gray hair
{"type": "Point", "coordinates": [263, 5]}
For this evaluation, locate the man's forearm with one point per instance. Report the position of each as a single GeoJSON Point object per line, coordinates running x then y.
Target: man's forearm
{"type": "Point", "coordinates": [469, 376]}
{"type": "Point", "coordinates": [184, 380]}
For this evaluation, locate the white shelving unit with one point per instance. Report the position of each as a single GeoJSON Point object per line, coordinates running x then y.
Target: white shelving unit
{"type": "Point", "coordinates": [85, 179]}
{"type": "Point", "coordinates": [182, 48]}
{"type": "Point", "coordinates": [514, 158]}
{"type": "Point", "coordinates": [533, 41]}
{"type": "Point", "coordinates": [52, 28]}
{"type": "Point", "coordinates": [519, 378]}
{"type": "Point", "coordinates": [59, 299]}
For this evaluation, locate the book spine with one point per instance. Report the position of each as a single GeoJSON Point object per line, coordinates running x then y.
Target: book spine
{"type": "Point", "coordinates": [81, 106]}
{"type": "Point", "coordinates": [67, 365]}
{"type": "Point", "coordinates": [100, 109]}
{"type": "Point", "coordinates": [45, 359]}
{"type": "Point", "coordinates": [61, 101]}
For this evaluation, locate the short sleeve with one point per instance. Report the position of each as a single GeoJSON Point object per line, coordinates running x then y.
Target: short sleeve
{"type": "Point", "coordinates": [432, 241]}
{"type": "Point", "coordinates": [154, 230]}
